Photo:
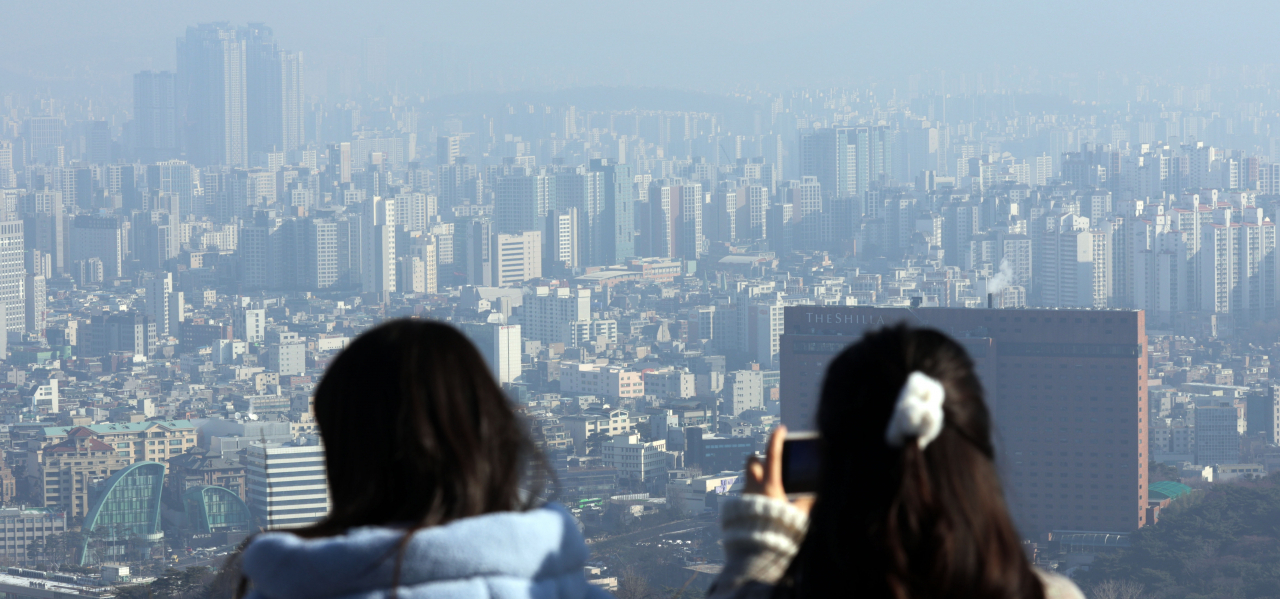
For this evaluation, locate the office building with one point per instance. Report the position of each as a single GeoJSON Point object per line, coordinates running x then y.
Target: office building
{"type": "Point", "coordinates": [516, 258]}
{"type": "Point", "coordinates": [1067, 390]}
{"type": "Point", "coordinates": [1263, 413]}
{"type": "Point", "coordinates": [286, 483]}
{"type": "Point", "coordinates": [22, 527]}
{"type": "Point", "coordinates": [287, 359]}
{"type": "Point", "coordinates": [211, 509]}
{"type": "Point", "coordinates": [100, 237]}
{"type": "Point", "coordinates": [249, 324]}
{"type": "Point", "coordinates": [45, 146]}
{"type": "Point", "coordinates": [1217, 432]}
{"type": "Point", "coordinates": [640, 461]}
{"type": "Point", "coordinates": [714, 453]}
{"type": "Point", "coordinates": [744, 390]}
{"type": "Point", "coordinates": [130, 332]}
{"type": "Point", "coordinates": [547, 314]}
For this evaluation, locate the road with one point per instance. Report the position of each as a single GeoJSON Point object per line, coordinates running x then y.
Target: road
{"type": "Point", "coordinates": [649, 533]}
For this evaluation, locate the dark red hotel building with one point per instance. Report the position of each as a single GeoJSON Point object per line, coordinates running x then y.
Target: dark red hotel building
{"type": "Point", "coordinates": [1067, 388]}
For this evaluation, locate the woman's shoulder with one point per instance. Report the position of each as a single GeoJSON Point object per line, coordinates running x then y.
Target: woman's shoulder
{"type": "Point", "coordinates": [1057, 586]}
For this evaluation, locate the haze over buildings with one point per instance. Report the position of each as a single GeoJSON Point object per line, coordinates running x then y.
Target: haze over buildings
{"type": "Point", "coordinates": [657, 255]}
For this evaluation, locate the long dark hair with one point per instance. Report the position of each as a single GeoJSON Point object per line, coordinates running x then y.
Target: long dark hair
{"type": "Point", "coordinates": [417, 433]}
{"type": "Point", "coordinates": [900, 521]}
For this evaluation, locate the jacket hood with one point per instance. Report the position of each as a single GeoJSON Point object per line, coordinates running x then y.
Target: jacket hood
{"type": "Point", "coordinates": [533, 554]}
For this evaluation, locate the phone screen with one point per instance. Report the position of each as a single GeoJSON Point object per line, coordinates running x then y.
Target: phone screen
{"type": "Point", "coordinates": [800, 465]}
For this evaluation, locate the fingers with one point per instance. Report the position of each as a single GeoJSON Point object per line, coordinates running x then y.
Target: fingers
{"type": "Point", "coordinates": [755, 476]}
{"type": "Point", "coordinates": [773, 462]}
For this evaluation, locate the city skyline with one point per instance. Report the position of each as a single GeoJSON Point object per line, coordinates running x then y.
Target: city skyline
{"type": "Point", "coordinates": [656, 248]}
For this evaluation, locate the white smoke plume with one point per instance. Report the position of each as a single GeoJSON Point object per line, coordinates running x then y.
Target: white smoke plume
{"type": "Point", "coordinates": [1002, 279]}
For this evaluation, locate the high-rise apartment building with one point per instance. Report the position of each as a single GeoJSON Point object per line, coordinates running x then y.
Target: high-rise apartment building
{"type": "Point", "coordinates": [13, 276]}
{"type": "Point", "coordinates": [617, 227]}
{"type": "Point", "coordinates": [522, 200]}
{"type": "Point", "coordinates": [213, 82]}
{"type": "Point", "coordinates": [499, 343]}
{"type": "Point", "coordinates": [273, 84]}
{"type": "Point", "coordinates": [1067, 391]}
{"type": "Point", "coordinates": [561, 249]}
{"type": "Point", "coordinates": [165, 305]}
{"type": "Point", "coordinates": [378, 268]}
{"type": "Point", "coordinates": [320, 253]}
{"type": "Point", "coordinates": [176, 178]}
{"type": "Point", "coordinates": [156, 131]}
{"type": "Point", "coordinates": [580, 190]}
{"type": "Point", "coordinates": [35, 298]}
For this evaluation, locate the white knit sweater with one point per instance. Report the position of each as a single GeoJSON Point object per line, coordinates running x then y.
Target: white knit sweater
{"type": "Point", "coordinates": [762, 535]}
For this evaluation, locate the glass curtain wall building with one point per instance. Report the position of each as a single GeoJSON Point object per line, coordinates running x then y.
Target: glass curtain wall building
{"type": "Point", "coordinates": [212, 509]}
{"type": "Point", "coordinates": [123, 523]}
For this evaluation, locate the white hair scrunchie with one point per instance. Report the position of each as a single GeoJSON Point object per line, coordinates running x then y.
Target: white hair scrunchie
{"type": "Point", "coordinates": [918, 412]}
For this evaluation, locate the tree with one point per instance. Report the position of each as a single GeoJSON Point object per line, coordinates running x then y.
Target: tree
{"type": "Point", "coordinates": [631, 585]}
{"type": "Point", "coordinates": [1224, 538]}
{"type": "Point", "coordinates": [35, 550]}
{"type": "Point", "coordinates": [1117, 589]}
{"type": "Point", "coordinates": [595, 443]}
{"type": "Point", "coordinates": [1157, 472]}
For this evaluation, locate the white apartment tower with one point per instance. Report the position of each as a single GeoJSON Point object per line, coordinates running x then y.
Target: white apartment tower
{"type": "Point", "coordinates": [499, 343]}
{"type": "Point", "coordinates": [165, 306]}
{"type": "Point", "coordinates": [378, 268]}
{"type": "Point", "coordinates": [13, 276]}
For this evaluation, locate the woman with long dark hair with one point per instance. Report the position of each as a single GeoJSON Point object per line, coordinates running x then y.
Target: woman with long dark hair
{"type": "Point", "coordinates": [434, 484]}
{"type": "Point", "coordinates": [909, 503]}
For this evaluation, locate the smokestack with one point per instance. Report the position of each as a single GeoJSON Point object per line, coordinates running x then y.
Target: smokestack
{"type": "Point", "coordinates": [991, 300]}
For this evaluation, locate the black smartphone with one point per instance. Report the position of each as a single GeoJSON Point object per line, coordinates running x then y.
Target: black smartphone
{"type": "Point", "coordinates": [801, 463]}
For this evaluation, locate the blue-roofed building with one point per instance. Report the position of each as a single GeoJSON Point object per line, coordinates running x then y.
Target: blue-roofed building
{"type": "Point", "coordinates": [153, 440]}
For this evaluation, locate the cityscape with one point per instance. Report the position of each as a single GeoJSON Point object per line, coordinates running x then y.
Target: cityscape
{"type": "Point", "coordinates": [657, 277]}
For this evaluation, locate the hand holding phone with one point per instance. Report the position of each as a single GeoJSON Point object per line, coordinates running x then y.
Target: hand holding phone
{"type": "Point", "coordinates": [800, 463]}
{"type": "Point", "coordinates": [765, 477]}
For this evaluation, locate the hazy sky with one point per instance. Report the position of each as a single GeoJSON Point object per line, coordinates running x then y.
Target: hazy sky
{"type": "Point", "coordinates": [696, 45]}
